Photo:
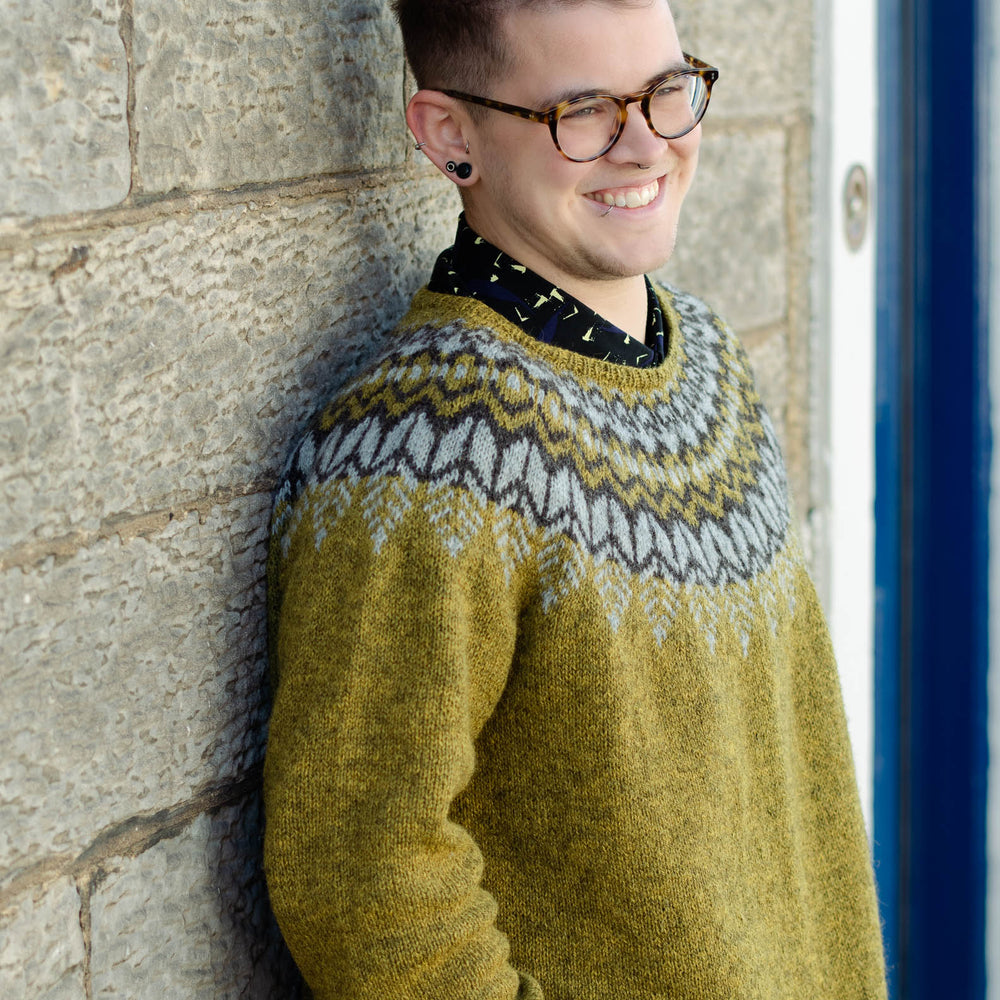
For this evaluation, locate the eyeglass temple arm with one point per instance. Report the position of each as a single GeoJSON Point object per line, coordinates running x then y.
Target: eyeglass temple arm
{"type": "Point", "coordinates": [511, 109]}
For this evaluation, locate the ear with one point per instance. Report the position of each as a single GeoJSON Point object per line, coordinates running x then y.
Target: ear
{"type": "Point", "coordinates": [442, 127]}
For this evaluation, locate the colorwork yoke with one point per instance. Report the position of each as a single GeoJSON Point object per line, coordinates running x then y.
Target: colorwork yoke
{"type": "Point", "coordinates": [555, 710]}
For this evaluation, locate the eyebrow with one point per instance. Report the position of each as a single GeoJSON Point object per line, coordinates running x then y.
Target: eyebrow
{"type": "Point", "coordinates": [574, 93]}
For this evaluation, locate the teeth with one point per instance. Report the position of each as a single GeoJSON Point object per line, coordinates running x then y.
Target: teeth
{"type": "Point", "coordinates": [631, 198]}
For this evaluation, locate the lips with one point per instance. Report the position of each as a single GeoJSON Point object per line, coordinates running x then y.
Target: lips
{"type": "Point", "coordinates": [626, 197]}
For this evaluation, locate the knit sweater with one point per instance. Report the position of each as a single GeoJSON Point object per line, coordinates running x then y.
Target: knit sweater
{"type": "Point", "coordinates": [555, 707]}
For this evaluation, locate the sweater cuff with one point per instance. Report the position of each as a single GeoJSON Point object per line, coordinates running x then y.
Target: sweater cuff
{"type": "Point", "coordinates": [530, 990]}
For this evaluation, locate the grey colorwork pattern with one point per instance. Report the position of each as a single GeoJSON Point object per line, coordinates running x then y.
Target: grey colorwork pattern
{"type": "Point", "coordinates": [681, 482]}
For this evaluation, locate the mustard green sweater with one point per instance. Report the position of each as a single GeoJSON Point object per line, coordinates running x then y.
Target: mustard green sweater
{"type": "Point", "coordinates": [555, 708]}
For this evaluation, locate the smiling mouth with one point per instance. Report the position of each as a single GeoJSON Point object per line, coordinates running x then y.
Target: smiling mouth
{"type": "Point", "coordinates": [626, 197]}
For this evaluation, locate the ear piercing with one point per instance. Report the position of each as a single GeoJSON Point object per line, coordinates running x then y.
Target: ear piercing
{"type": "Point", "coordinates": [462, 170]}
{"type": "Point", "coordinates": [420, 145]}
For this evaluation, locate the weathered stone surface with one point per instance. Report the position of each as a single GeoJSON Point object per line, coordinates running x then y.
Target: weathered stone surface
{"type": "Point", "coordinates": [806, 423]}
{"type": "Point", "coordinates": [234, 91]}
{"type": "Point", "coordinates": [732, 243]}
{"type": "Point", "coordinates": [133, 673]}
{"type": "Point", "coordinates": [63, 131]}
{"type": "Point", "coordinates": [189, 918]}
{"type": "Point", "coordinates": [180, 356]}
{"type": "Point", "coordinates": [770, 364]}
{"type": "Point", "coordinates": [762, 48]}
{"type": "Point", "coordinates": [41, 944]}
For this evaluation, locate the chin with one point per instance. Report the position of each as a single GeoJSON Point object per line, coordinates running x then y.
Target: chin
{"type": "Point", "coordinates": [646, 262]}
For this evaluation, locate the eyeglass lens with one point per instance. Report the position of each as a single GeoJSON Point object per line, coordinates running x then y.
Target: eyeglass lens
{"type": "Point", "coordinates": [587, 126]}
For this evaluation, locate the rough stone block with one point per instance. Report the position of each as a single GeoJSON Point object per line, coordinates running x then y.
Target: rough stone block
{"type": "Point", "coordinates": [63, 132]}
{"type": "Point", "coordinates": [137, 672]}
{"type": "Point", "coordinates": [41, 944]}
{"type": "Point", "coordinates": [236, 91]}
{"type": "Point", "coordinates": [763, 49]}
{"type": "Point", "coordinates": [189, 918]}
{"type": "Point", "coordinates": [159, 363]}
{"type": "Point", "coordinates": [770, 363]}
{"type": "Point", "coordinates": [732, 243]}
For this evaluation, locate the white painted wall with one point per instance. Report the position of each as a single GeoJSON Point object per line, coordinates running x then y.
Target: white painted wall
{"type": "Point", "coordinates": [852, 382]}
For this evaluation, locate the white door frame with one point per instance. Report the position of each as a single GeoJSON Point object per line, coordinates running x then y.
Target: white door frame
{"type": "Point", "coordinates": [847, 102]}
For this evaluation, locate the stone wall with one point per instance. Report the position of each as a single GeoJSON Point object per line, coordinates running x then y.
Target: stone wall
{"type": "Point", "coordinates": [193, 211]}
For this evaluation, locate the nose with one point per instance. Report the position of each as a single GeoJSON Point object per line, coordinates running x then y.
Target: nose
{"type": "Point", "coordinates": [637, 143]}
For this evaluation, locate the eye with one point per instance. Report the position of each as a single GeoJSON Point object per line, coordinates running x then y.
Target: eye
{"type": "Point", "coordinates": [675, 87]}
{"type": "Point", "coordinates": [587, 109]}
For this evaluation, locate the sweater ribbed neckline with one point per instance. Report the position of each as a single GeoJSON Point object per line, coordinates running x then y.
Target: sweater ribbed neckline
{"type": "Point", "coordinates": [438, 309]}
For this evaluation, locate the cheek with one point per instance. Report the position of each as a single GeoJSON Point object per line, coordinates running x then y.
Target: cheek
{"type": "Point", "coordinates": [558, 177]}
{"type": "Point", "coordinates": [688, 149]}
{"type": "Point", "coordinates": [687, 165]}
{"type": "Point", "coordinates": [535, 165]}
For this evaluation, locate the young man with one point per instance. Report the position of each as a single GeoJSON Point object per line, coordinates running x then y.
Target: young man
{"type": "Point", "coordinates": [556, 714]}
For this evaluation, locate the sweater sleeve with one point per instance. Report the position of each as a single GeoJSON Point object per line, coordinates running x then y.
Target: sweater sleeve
{"type": "Point", "coordinates": [389, 651]}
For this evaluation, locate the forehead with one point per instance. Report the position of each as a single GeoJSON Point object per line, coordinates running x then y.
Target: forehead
{"type": "Point", "coordinates": [559, 49]}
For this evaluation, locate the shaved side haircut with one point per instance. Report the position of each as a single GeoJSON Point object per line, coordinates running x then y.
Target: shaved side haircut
{"type": "Point", "coordinates": [460, 44]}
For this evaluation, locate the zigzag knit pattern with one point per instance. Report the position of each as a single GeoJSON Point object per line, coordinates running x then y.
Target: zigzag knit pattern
{"type": "Point", "coordinates": [677, 483]}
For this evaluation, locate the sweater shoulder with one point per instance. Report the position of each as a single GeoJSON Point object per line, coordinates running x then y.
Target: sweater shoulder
{"type": "Point", "coordinates": [697, 320]}
{"type": "Point", "coordinates": [414, 375]}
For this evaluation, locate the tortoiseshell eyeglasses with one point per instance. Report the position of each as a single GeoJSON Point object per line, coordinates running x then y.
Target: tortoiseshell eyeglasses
{"type": "Point", "coordinates": [585, 128]}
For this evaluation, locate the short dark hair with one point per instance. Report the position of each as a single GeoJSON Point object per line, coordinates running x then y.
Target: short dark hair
{"type": "Point", "coordinates": [460, 44]}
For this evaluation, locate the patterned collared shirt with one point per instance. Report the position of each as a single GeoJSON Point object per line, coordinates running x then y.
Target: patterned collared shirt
{"type": "Point", "coordinates": [476, 268]}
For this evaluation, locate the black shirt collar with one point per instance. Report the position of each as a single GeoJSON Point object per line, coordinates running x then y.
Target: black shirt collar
{"type": "Point", "coordinates": [476, 268]}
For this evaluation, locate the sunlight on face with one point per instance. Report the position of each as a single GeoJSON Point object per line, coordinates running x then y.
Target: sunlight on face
{"type": "Point", "coordinates": [550, 213]}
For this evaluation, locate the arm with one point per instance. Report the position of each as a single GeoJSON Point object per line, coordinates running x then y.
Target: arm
{"type": "Point", "coordinates": [387, 663]}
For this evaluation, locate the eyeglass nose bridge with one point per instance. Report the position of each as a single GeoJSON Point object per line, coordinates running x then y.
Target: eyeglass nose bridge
{"type": "Point", "coordinates": [623, 102]}
{"type": "Point", "coordinates": [643, 103]}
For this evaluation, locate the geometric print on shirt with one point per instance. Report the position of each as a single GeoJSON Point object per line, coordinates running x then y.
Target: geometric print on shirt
{"type": "Point", "coordinates": [480, 270]}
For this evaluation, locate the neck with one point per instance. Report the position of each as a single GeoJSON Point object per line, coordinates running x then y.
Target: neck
{"type": "Point", "coordinates": [622, 302]}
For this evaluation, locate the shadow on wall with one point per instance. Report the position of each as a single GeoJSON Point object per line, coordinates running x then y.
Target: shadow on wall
{"type": "Point", "coordinates": [158, 364]}
{"type": "Point", "coordinates": [248, 956]}
{"type": "Point", "coordinates": [318, 279]}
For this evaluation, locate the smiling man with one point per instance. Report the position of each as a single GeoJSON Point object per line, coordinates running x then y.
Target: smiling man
{"type": "Point", "coordinates": [555, 708]}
